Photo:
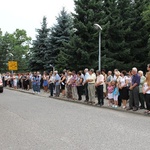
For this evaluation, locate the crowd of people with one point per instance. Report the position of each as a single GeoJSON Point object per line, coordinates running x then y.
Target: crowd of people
{"type": "Point", "coordinates": [117, 87]}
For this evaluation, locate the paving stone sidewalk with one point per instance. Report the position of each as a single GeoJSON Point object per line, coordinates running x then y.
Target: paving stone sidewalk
{"type": "Point", "coordinates": [105, 106]}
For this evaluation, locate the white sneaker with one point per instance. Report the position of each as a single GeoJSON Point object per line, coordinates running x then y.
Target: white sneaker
{"type": "Point", "coordinates": [124, 107]}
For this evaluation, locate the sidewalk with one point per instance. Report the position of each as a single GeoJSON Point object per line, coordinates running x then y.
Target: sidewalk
{"type": "Point", "coordinates": [105, 106]}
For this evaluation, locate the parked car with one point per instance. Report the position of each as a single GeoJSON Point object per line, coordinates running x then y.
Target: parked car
{"type": "Point", "coordinates": [1, 85]}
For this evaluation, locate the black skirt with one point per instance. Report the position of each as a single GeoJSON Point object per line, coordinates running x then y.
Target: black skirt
{"type": "Point", "coordinates": [124, 93]}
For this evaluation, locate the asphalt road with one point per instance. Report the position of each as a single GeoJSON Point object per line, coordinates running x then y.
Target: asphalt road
{"type": "Point", "coordinates": [30, 122]}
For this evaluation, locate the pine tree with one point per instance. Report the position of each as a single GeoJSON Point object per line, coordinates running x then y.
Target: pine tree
{"type": "Point", "coordinates": [124, 34]}
{"type": "Point", "coordinates": [116, 29]}
{"type": "Point", "coordinates": [59, 36]}
{"type": "Point", "coordinates": [146, 18]}
{"type": "Point", "coordinates": [139, 34]}
{"type": "Point", "coordinates": [40, 47]}
{"type": "Point", "coordinates": [87, 13]}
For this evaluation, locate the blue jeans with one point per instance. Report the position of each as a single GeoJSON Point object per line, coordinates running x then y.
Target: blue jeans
{"type": "Point", "coordinates": [38, 88]}
{"type": "Point", "coordinates": [34, 87]}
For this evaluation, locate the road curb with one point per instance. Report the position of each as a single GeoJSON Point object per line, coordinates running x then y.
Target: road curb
{"type": "Point", "coordinates": [80, 102]}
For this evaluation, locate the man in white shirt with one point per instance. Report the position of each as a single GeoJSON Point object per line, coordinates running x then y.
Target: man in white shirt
{"type": "Point", "coordinates": [91, 86]}
{"type": "Point", "coordinates": [57, 83]}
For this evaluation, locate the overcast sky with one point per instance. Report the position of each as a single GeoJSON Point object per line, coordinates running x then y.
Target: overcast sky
{"type": "Point", "coordinates": [28, 14]}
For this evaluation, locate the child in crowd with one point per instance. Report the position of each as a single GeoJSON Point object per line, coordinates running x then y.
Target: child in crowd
{"type": "Point", "coordinates": [115, 95]}
{"type": "Point", "coordinates": [110, 89]}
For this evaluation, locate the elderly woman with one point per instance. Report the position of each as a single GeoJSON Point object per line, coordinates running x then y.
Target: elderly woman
{"type": "Point", "coordinates": [141, 95]}
{"type": "Point", "coordinates": [146, 91]}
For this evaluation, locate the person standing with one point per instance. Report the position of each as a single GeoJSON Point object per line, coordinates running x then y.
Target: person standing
{"type": "Point", "coordinates": [146, 91]}
{"type": "Point", "coordinates": [74, 87]}
{"type": "Point", "coordinates": [51, 83]}
{"type": "Point", "coordinates": [63, 83]}
{"type": "Point", "coordinates": [108, 81]}
{"type": "Point", "coordinates": [26, 82]}
{"type": "Point", "coordinates": [116, 95]}
{"type": "Point", "coordinates": [104, 85]}
{"type": "Point", "coordinates": [68, 85]}
{"type": "Point", "coordinates": [123, 82]}
{"type": "Point", "coordinates": [30, 78]}
{"type": "Point", "coordinates": [45, 78]}
{"type": "Point", "coordinates": [141, 95]}
{"type": "Point", "coordinates": [79, 85]}
{"type": "Point", "coordinates": [34, 82]}
{"type": "Point", "coordinates": [85, 83]}
{"type": "Point", "coordinates": [134, 91]}
{"type": "Point", "coordinates": [38, 82]}
{"type": "Point", "coordinates": [99, 87]}
{"type": "Point", "coordinates": [15, 81]}
{"type": "Point", "coordinates": [110, 90]}
{"type": "Point", "coordinates": [91, 86]}
{"type": "Point", "coordinates": [57, 83]}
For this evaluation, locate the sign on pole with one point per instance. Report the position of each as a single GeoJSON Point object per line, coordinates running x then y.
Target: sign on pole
{"type": "Point", "coordinates": [12, 65]}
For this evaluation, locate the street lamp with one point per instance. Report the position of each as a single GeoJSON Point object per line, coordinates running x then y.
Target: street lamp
{"type": "Point", "coordinates": [98, 27]}
{"type": "Point", "coordinates": [52, 67]}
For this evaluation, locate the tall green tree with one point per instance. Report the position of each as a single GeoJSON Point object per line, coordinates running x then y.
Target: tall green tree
{"type": "Point", "coordinates": [60, 35]}
{"type": "Point", "coordinates": [112, 34]}
{"type": "Point", "coordinates": [124, 34]}
{"type": "Point", "coordinates": [139, 34]}
{"type": "Point", "coordinates": [38, 53]}
{"type": "Point", "coordinates": [115, 34]}
{"type": "Point", "coordinates": [146, 18]}
{"type": "Point", "coordinates": [87, 13]}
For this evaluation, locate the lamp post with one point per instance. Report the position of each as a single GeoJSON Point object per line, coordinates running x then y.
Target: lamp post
{"type": "Point", "coordinates": [98, 27]}
{"type": "Point", "coordinates": [52, 67]}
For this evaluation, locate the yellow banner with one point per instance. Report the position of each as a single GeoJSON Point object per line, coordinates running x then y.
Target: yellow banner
{"type": "Point", "coordinates": [12, 65]}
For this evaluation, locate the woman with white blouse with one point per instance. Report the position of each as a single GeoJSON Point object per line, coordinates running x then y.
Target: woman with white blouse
{"type": "Point", "coordinates": [146, 91]}
{"type": "Point", "coordinates": [123, 82]}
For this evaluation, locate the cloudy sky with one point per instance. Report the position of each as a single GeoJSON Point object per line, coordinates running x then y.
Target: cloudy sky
{"type": "Point", "coordinates": [28, 14]}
